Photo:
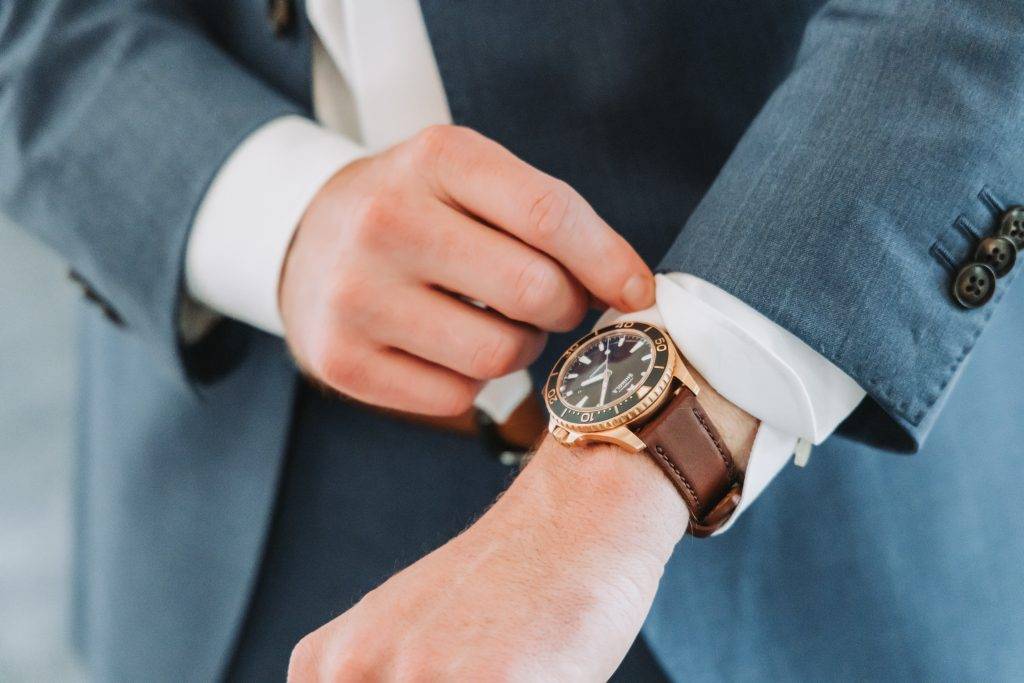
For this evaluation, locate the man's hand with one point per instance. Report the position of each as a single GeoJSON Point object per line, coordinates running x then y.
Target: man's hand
{"type": "Point", "coordinates": [552, 583]}
{"type": "Point", "coordinates": [373, 288]}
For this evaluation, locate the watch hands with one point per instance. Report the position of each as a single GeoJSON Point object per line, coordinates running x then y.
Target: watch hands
{"type": "Point", "coordinates": [598, 372]}
{"type": "Point", "coordinates": [605, 376]}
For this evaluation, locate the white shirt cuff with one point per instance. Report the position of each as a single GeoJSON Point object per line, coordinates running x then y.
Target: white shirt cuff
{"type": "Point", "coordinates": [752, 361]}
{"type": "Point", "coordinates": [244, 225]}
{"type": "Point", "coordinates": [764, 369]}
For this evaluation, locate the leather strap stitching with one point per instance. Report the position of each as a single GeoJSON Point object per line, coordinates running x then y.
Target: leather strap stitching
{"type": "Point", "coordinates": [682, 477]}
{"type": "Point", "coordinates": [718, 446]}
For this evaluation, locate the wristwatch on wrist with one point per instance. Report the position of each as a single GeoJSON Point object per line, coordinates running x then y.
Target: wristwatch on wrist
{"type": "Point", "coordinates": [626, 384]}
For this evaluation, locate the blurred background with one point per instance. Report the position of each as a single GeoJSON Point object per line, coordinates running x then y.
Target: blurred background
{"type": "Point", "coordinates": [37, 382]}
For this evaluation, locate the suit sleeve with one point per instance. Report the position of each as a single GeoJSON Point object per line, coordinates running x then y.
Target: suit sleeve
{"type": "Point", "coordinates": [862, 186]}
{"type": "Point", "coordinates": [114, 117]}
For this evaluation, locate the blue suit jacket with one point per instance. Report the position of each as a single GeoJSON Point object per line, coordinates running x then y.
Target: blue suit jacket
{"type": "Point", "coordinates": [830, 163]}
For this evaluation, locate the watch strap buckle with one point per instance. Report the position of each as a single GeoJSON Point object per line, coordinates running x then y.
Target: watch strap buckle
{"type": "Point", "coordinates": [718, 516]}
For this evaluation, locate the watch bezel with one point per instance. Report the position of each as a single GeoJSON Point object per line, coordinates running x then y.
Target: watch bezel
{"type": "Point", "coordinates": [645, 399]}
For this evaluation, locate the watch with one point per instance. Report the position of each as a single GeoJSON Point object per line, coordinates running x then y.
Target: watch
{"type": "Point", "coordinates": [627, 384]}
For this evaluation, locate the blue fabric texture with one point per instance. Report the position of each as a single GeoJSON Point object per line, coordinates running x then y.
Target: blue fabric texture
{"type": "Point", "coordinates": [114, 117]}
{"type": "Point", "coordinates": [830, 163]}
{"type": "Point", "coordinates": [897, 121]}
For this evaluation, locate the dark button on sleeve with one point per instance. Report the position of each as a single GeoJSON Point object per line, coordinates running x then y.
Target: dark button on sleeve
{"type": "Point", "coordinates": [1000, 253]}
{"type": "Point", "coordinates": [974, 286]}
{"type": "Point", "coordinates": [1012, 226]}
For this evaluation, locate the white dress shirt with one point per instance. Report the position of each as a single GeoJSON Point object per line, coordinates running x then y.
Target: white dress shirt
{"type": "Point", "coordinates": [375, 83]}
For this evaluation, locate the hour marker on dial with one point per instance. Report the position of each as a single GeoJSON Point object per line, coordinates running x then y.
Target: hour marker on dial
{"type": "Point", "coordinates": [636, 346]}
{"type": "Point", "coordinates": [571, 375]}
{"type": "Point", "coordinates": [584, 360]}
{"type": "Point", "coordinates": [582, 402]}
{"type": "Point", "coordinates": [647, 357]}
{"type": "Point", "coordinates": [622, 340]}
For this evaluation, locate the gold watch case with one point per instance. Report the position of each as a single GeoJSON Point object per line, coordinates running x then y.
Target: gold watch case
{"type": "Point", "coordinates": [613, 423]}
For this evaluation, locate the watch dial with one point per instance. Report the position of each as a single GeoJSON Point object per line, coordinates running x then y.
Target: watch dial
{"type": "Point", "coordinates": [606, 370]}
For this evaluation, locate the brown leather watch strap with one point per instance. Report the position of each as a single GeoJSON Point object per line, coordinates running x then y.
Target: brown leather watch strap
{"type": "Point", "coordinates": [686, 445]}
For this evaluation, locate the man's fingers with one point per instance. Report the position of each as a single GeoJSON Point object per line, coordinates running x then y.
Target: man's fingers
{"type": "Point", "coordinates": [489, 266]}
{"type": "Point", "coordinates": [488, 181]}
{"type": "Point", "coordinates": [390, 378]}
{"type": "Point", "coordinates": [471, 341]}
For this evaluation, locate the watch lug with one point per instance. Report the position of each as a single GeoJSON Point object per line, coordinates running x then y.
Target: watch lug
{"type": "Point", "coordinates": [552, 425]}
{"type": "Point", "coordinates": [563, 435]}
{"type": "Point", "coordinates": [573, 438]}
{"type": "Point", "coordinates": [625, 438]}
{"type": "Point", "coordinates": [622, 437]}
{"type": "Point", "coordinates": [682, 373]}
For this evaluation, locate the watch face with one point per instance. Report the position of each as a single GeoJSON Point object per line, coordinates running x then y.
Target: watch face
{"type": "Point", "coordinates": [606, 370]}
{"type": "Point", "coordinates": [607, 374]}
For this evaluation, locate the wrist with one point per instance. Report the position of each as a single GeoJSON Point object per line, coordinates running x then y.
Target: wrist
{"type": "Point", "coordinates": [602, 496]}
{"type": "Point", "coordinates": [619, 498]}
{"type": "Point", "coordinates": [736, 426]}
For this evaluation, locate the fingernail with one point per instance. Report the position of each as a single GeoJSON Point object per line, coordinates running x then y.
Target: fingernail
{"type": "Point", "coordinates": [639, 292]}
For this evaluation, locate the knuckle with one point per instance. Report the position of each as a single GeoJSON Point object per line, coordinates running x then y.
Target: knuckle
{"type": "Point", "coordinates": [536, 289]}
{"type": "Point", "coordinates": [554, 210]}
{"type": "Point", "coordinates": [371, 220]}
{"type": "Point", "coordinates": [351, 665]}
{"type": "Point", "coordinates": [304, 662]}
{"type": "Point", "coordinates": [494, 357]}
{"type": "Point", "coordinates": [432, 143]}
{"type": "Point", "coordinates": [344, 373]}
{"type": "Point", "coordinates": [351, 293]}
